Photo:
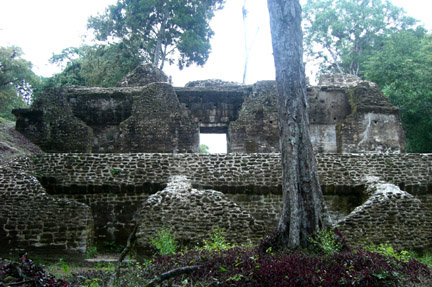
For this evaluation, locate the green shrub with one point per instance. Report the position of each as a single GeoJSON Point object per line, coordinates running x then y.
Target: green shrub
{"type": "Point", "coordinates": [426, 259]}
{"type": "Point", "coordinates": [165, 243]}
{"type": "Point", "coordinates": [387, 250]}
{"type": "Point", "coordinates": [111, 246]}
{"type": "Point", "coordinates": [91, 252]}
{"type": "Point", "coordinates": [325, 241]}
{"type": "Point", "coordinates": [217, 241]}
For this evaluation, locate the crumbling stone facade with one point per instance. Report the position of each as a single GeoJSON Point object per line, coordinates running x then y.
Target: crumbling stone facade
{"type": "Point", "coordinates": [115, 185]}
{"type": "Point", "coordinates": [158, 123]}
{"type": "Point", "coordinates": [389, 215]}
{"type": "Point", "coordinates": [123, 155]}
{"type": "Point", "coordinates": [193, 214]}
{"type": "Point", "coordinates": [347, 115]}
{"type": "Point", "coordinates": [112, 188]}
{"type": "Point", "coordinates": [33, 221]}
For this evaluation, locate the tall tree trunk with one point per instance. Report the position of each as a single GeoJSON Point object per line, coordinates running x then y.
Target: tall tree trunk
{"type": "Point", "coordinates": [160, 38]}
{"type": "Point", "coordinates": [244, 13]}
{"type": "Point", "coordinates": [304, 210]}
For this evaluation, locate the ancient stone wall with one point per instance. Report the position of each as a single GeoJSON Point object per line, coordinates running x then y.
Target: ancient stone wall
{"type": "Point", "coordinates": [193, 214]}
{"type": "Point", "coordinates": [347, 115]}
{"type": "Point", "coordinates": [214, 108]}
{"type": "Point", "coordinates": [158, 123]}
{"type": "Point", "coordinates": [33, 221]}
{"type": "Point", "coordinates": [256, 129]}
{"type": "Point", "coordinates": [104, 181]}
{"type": "Point", "coordinates": [51, 124]}
{"type": "Point", "coordinates": [229, 173]}
{"type": "Point", "coordinates": [115, 185]}
{"type": "Point", "coordinates": [389, 215]}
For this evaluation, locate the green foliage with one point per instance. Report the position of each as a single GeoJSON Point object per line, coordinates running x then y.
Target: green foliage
{"type": "Point", "coordinates": [204, 148]}
{"type": "Point", "coordinates": [342, 34]}
{"type": "Point", "coordinates": [105, 266]}
{"type": "Point", "coordinates": [159, 30]}
{"type": "Point", "coordinates": [425, 259]}
{"type": "Point", "coordinates": [64, 266]}
{"type": "Point", "coordinates": [402, 68]}
{"type": "Point", "coordinates": [325, 242]}
{"type": "Point", "coordinates": [165, 243]}
{"type": "Point", "coordinates": [17, 81]}
{"type": "Point", "coordinates": [92, 282]}
{"type": "Point", "coordinates": [98, 65]}
{"type": "Point", "coordinates": [217, 241]}
{"type": "Point", "coordinates": [111, 246]}
{"type": "Point", "coordinates": [387, 250]}
{"type": "Point", "coordinates": [91, 252]}
{"type": "Point", "coordinates": [115, 171]}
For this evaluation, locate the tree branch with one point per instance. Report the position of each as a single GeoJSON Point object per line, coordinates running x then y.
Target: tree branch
{"type": "Point", "coordinates": [172, 273]}
{"type": "Point", "coordinates": [129, 245]}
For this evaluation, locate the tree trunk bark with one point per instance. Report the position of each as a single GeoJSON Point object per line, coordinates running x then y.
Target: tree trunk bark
{"type": "Point", "coordinates": [160, 37]}
{"type": "Point", "coordinates": [304, 210]}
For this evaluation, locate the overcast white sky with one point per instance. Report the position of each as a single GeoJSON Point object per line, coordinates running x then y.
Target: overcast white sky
{"type": "Point", "coordinates": [44, 27]}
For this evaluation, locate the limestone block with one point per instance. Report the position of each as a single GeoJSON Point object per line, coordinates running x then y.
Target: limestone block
{"type": "Point", "coordinates": [256, 129]}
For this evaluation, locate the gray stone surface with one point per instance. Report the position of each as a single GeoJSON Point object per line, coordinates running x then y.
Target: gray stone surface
{"type": "Point", "coordinates": [390, 215]}
{"type": "Point", "coordinates": [230, 173]}
{"type": "Point", "coordinates": [158, 123]}
{"type": "Point", "coordinates": [191, 215]}
{"type": "Point", "coordinates": [33, 221]}
{"type": "Point", "coordinates": [210, 83]}
{"type": "Point", "coordinates": [347, 115]}
{"type": "Point", "coordinates": [256, 129]}
{"type": "Point", "coordinates": [144, 75]}
{"type": "Point", "coordinates": [115, 185]}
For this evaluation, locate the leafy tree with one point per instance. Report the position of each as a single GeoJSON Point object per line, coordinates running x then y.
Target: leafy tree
{"type": "Point", "coordinates": [16, 81]}
{"type": "Point", "coordinates": [304, 210]}
{"type": "Point", "coordinates": [159, 30]}
{"type": "Point", "coordinates": [402, 68]}
{"type": "Point", "coordinates": [343, 33]}
{"type": "Point", "coordinates": [97, 65]}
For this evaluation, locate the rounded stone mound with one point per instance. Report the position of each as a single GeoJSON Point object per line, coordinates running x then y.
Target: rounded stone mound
{"type": "Point", "coordinates": [143, 75]}
{"type": "Point", "coordinates": [390, 215]}
{"type": "Point", "coordinates": [191, 215]}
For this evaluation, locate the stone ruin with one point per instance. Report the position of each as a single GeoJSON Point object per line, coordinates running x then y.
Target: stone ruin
{"type": "Point", "coordinates": [120, 156]}
{"type": "Point", "coordinates": [347, 115]}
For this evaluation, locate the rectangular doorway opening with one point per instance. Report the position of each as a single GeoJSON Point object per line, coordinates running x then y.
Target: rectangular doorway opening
{"type": "Point", "coordinates": [213, 140]}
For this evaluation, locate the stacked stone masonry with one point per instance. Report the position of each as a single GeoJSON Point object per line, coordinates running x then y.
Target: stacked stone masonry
{"type": "Point", "coordinates": [389, 215]}
{"type": "Point", "coordinates": [347, 115]}
{"type": "Point", "coordinates": [131, 156]}
{"type": "Point", "coordinates": [229, 173]}
{"type": "Point", "coordinates": [95, 196]}
{"type": "Point", "coordinates": [31, 220]}
{"type": "Point", "coordinates": [192, 214]}
{"type": "Point", "coordinates": [114, 185]}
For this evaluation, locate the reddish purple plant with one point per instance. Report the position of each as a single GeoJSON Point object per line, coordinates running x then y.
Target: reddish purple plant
{"type": "Point", "coordinates": [29, 274]}
{"type": "Point", "coordinates": [246, 267]}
